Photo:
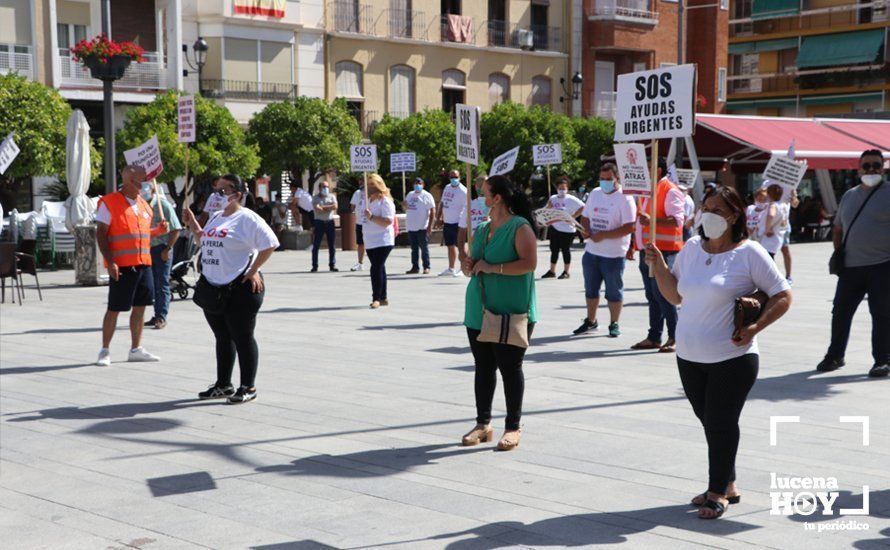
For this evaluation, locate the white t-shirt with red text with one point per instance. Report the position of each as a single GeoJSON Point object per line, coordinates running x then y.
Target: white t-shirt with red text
{"type": "Point", "coordinates": [568, 203]}
{"type": "Point", "coordinates": [478, 213]}
{"type": "Point", "coordinates": [230, 243]}
{"type": "Point", "coordinates": [417, 209]}
{"type": "Point", "coordinates": [454, 200]}
{"type": "Point", "coordinates": [607, 212]}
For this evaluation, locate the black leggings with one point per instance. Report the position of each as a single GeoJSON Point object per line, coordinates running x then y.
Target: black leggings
{"type": "Point", "coordinates": [717, 393]}
{"type": "Point", "coordinates": [378, 271]}
{"type": "Point", "coordinates": [490, 358]}
{"type": "Point", "coordinates": [560, 242]}
{"type": "Point", "coordinates": [233, 330]}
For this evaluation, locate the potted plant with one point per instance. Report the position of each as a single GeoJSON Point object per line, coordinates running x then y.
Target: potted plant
{"type": "Point", "coordinates": [105, 58]}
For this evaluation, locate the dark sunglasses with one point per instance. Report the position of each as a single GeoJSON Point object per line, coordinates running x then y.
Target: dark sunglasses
{"type": "Point", "coordinates": [872, 165]}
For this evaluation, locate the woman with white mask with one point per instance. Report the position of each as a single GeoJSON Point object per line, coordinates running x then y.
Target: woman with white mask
{"type": "Point", "coordinates": [561, 233]}
{"type": "Point", "coordinates": [717, 357]}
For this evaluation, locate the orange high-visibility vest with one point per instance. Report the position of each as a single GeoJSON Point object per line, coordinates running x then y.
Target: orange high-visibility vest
{"type": "Point", "coordinates": [668, 236]}
{"type": "Point", "coordinates": [129, 234]}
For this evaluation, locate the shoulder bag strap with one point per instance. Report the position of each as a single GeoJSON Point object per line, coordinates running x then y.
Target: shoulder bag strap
{"type": "Point", "coordinates": [856, 217]}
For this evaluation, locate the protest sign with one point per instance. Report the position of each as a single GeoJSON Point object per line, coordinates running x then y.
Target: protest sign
{"type": "Point", "coordinates": [505, 163]}
{"type": "Point", "coordinates": [148, 156]}
{"type": "Point", "coordinates": [785, 171]}
{"type": "Point", "coordinates": [632, 170]}
{"type": "Point", "coordinates": [468, 134]}
{"type": "Point", "coordinates": [656, 104]}
{"type": "Point", "coordinates": [8, 151]}
{"type": "Point", "coordinates": [186, 110]}
{"type": "Point", "coordinates": [402, 162]}
{"type": "Point", "coordinates": [686, 177]}
{"type": "Point", "coordinates": [546, 154]}
{"type": "Point", "coordinates": [363, 158]}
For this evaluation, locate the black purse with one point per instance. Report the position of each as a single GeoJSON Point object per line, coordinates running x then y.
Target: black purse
{"type": "Point", "coordinates": [214, 299]}
{"type": "Point", "coordinates": [836, 263]}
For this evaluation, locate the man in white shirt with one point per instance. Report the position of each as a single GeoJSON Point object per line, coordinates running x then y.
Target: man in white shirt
{"type": "Point", "coordinates": [478, 214]}
{"type": "Point", "coordinates": [420, 209]}
{"type": "Point", "coordinates": [357, 206]}
{"type": "Point", "coordinates": [608, 220]}
{"type": "Point", "coordinates": [454, 200]}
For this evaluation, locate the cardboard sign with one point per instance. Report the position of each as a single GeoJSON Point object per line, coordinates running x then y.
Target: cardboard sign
{"type": "Point", "coordinates": [468, 134]}
{"type": "Point", "coordinates": [363, 158]}
{"type": "Point", "coordinates": [187, 128]}
{"type": "Point", "coordinates": [633, 171]}
{"type": "Point", "coordinates": [686, 177]}
{"type": "Point", "coordinates": [656, 104]}
{"type": "Point", "coordinates": [402, 162]}
{"type": "Point", "coordinates": [505, 162]}
{"type": "Point", "coordinates": [148, 156]}
{"type": "Point", "coordinates": [8, 151]}
{"type": "Point", "coordinates": [785, 171]}
{"type": "Point", "coordinates": [545, 154]}
{"type": "Point", "coordinates": [545, 216]}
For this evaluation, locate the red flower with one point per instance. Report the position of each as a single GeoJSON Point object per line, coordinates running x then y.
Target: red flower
{"type": "Point", "coordinates": [103, 48]}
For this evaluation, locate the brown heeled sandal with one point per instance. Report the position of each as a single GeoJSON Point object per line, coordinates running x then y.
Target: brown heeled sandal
{"type": "Point", "coordinates": [479, 434]}
{"type": "Point", "coordinates": [510, 440]}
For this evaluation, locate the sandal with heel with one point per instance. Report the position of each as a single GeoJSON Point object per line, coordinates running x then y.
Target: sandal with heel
{"type": "Point", "coordinates": [479, 434]}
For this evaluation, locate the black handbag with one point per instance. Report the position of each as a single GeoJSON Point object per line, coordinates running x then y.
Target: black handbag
{"type": "Point", "coordinates": [836, 263]}
{"type": "Point", "coordinates": [214, 299]}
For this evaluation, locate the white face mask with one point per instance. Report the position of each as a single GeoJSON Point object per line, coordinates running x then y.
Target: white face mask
{"type": "Point", "coordinates": [713, 225]}
{"type": "Point", "coordinates": [871, 179]}
{"type": "Point", "coordinates": [561, 192]}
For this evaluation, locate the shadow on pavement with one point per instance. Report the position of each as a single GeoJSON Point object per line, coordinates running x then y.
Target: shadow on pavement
{"type": "Point", "coordinates": [418, 326]}
{"type": "Point", "coordinates": [803, 386]}
{"type": "Point", "coordinates": [295, 545]}
{"type": "Point", "coordinates": [310, 309]}
{"type": "Point", "coordinates": [121, 410]}
{"type": "Point", "coordinates": [54, 331]}
{"type": "Point", "coordinates": [37, 370]}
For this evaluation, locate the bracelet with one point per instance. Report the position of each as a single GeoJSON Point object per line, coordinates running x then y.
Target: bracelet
{"type": "Point", "coordinates": [502, 268]}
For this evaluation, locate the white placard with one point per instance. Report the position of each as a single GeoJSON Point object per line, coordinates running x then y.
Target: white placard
{"type": "Point", "coordinates": [656, 104]}
{"type": "Point", "coordinates": [187, 128]}
{"type": "Point", "coordinates": [402, 162]}
{"type": "Point", "coordinates": [468, 134]}
{"type": "Point", "coordinates": [548, 153]}
{"type": "Point", "coordinates": [545, 216]}
{"type": "Point", "coordinates": [8, 151]}
{"type": "Point", "coordinates": [363, 158]}
{"type": "Point", "coordinates": [633, 169]}
{"type": "Point", "coordinates": [785, 171]}
{"type": "Point", "coordinates": [686, 177]}
{"type": "Point", "coordinates": [505, 162]}
{"type": "Point", "coordinates": [148, 156]}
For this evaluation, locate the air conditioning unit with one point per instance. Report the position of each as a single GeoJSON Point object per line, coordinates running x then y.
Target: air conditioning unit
{"type": "Point", "coordinates": [525, 39]}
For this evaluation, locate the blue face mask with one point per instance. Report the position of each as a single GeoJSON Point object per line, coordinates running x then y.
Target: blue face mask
{"type": "Point", "coordinates": [145, 191]}
{"type": "Point", "coordinates": [608, 186]}
{"type": "Point", "coordinates": [582, 189]}
{"type": "Point", "coordinates": [418, 187]}
{"type": "Point", "coordinates": [455, 182]}
{"type": "Point", "coordinates": [324, 192]}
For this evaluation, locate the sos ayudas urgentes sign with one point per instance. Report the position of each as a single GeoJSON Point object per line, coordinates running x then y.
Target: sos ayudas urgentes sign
{"type": "Point", "coordinates": [656, 104]}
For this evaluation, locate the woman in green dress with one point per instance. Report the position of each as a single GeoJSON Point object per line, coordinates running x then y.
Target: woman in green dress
{"type": "Point", "coordinates": [503, 257]}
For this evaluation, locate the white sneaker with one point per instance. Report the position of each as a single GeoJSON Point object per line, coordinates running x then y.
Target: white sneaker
{"type": "Point", "coordinates": [457, 273]}
{"type": "Point", "coordinates": [104, 359]}
{"type": "Point", "coordinates": [357, 267]}
{"type": "Point", "coordinates": [790, 281]}
{"type": "Point", "coordinates": [139, 355]}
{"type": "Point", "coordinates": [446, 272]}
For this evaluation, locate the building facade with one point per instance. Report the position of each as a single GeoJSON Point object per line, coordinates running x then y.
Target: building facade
{"type": "Point", "coordinates": [808, 57]}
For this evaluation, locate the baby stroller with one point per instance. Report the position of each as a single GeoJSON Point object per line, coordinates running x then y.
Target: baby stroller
{"type": "Point", "coordinates": [184, 273]}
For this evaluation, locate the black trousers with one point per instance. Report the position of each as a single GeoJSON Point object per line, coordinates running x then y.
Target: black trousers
{"type": "Point", "coordinates": [378, 258]}
{"type": "Point", "coordinates": [717, 393]}
{"type": "Point", "coordinates": [560, 242]}
{"type": "Point", "coordinates": [233, 329]}
{"type": "Point", "coordinates": [852, 286]}
{"type": "Point", "coordinates": [489, 358]}
{"type": "Point", "coordinates": [326, 229]}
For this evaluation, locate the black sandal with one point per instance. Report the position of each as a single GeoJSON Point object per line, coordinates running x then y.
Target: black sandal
{"type": "Point", "coordinates": [704, 497]}
{"type": "Point", "coordinates": [714, 505]}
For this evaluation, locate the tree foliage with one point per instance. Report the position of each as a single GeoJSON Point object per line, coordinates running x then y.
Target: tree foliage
{"type": "Point", "coordinates": [595, 136]}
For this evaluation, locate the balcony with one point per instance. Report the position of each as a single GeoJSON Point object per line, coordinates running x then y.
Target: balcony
{"type": "Point", "coordinates": [626, 11]}
{"type": "Point", "coordinates": [405, 24]}
{"type": "Point", "coordinates": [17, 59]}
{"type": "Point", "coordinates": [347, 16]}
{"type": "Point", "coordinates": [246, 90]}
{"type": "Point", "coordinates": [448, 33]}
{"type": "Point", "coordinates": [148, 75]}
{"type": "Point", "coordinates": [541, 38]}
{"type": "Point", "coordinates": [835, 17]}
{"type": "Point", "coordinates": [794, 80]}
{"type": "Point", "coordinates": [604, 105]}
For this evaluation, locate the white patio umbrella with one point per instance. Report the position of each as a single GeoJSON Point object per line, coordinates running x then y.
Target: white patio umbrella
{"type": "Point", "coordinates": [79, 209]}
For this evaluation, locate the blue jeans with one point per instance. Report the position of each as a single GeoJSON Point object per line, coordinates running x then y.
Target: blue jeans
{"type": "Point", "coordinates": [419, 247]}
{"type": "Point", "coordinates": [161, 274]}
{"type": "Point", "coordinates": [597, 270]}
{"type": "Point", "coordinates": [660, 310]}
{"type": "Point", "coordinates": [324, 229]}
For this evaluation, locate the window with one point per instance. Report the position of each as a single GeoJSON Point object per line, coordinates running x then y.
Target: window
{"type": "Point", "coordinates": [70, 35]}
{"type": "Point", "coordinates": [724, 5]}
{"type": "Point", "coordinates": [349, 80]}
{"type": "Point", "coordinates": [401, 91]}
{"type": "Point", "coordinates": [721, 84]}
{"type": "Point", "coordinates": [454, 88]}
{"type": "Point", "coordinates": [498, 89]}
{"type": "Point", "coordinates": [541, 91]}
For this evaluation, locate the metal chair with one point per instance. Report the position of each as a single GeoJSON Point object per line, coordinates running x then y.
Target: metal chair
{"type": "Point", "coordinates": [27, 263]}
{"type": "Point", "coordinates": [8, 269]}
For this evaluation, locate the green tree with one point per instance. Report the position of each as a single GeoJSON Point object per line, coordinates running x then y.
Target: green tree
{"type": "Point", "coordinates": [220, 147]}
{"type": "Point", "coordinates": [430, 135]}
{"type": "Point", "coordinates": [305, 134]}
{"type": "Point", "coordinates": [595, 136]}
{"type": "Point", "coordinates": [510, 124]}
{"type": "Point", "coordinates": [38, 115]}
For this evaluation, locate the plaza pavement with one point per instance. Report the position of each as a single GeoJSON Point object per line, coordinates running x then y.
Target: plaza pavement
{"type": "Point", "coordinates": [353, 440]}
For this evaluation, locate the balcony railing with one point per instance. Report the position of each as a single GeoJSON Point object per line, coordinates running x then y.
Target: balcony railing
{"type": "Point", "coordinates": [604, 105]}
{"type": "Point", "coordinates": [822, 18]}
{"type": "Point", "coordinates": [150, 74]}
{"type": "Point", "coordinates": [248, 90]}
{"type": "Point", "coordinates": [794, 80]}
{"type": "Point", "coordinates": [405, 24]}
{"type": "Point", "coordinates": [16, 59]}
{"type": "Point", "coordinates": [348, 16]}
{"type": "Point", "coordinates": [633, 11]}
{"type": "Point", "coordinates": [543, 38]}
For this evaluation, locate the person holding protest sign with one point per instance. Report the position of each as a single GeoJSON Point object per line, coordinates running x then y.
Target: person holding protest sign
{"type": "Point", "coordinates": [756, 211]}
{"type": "Point", "coordinates": [453, 203]}
{"type": "Point", "coordinates": [325, 206]}
{"type": "Point", "coordinates": [608, 219]}
{"type": "Point", "coordinates": [214, 201]}
{"type": "Point", "coordinates": [670, 215]}
{"type": "Point", "coordinates": [161, 252]}
{"type": "Point", "coordinates": [789, 201]}
{"type": "Point", "coordinates": [478, 214]}
{"type": "Point", "coordinates": [357, 206]}
{"type": "Point", "coordinates": [123, 233]}
{"type": "Point", "coordinates": [235, 244]}
{"type": "Point", "coordinates": [770, 231]}
{"type": "Point", "coordinates": [380, 237]}
{"type": "Point", "coordinates": [502, 262]}
{"type": "Point", "coordinates": [717, 354]}
{"type": "Point", "coordinates": [420, 210]}
{"type": "Point", "coordinates": [562, 233]}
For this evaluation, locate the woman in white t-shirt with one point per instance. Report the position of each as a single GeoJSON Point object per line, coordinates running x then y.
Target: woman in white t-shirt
{"type": "Point", "coordinates": [755, 212]}
{"type": "Point", "coordinates": [379, 235]}
{"type": "Point", "coordinates": [771, 228]}
{"type": "Point", "coordinates": [235, 243]}
{"type": "Point", "coordinates": [561, 234]}
{"type": "Point", "coordinates": [718, 364]}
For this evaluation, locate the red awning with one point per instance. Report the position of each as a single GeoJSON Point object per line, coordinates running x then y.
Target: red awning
{"type": "Point", "coordinates": [753, 139]}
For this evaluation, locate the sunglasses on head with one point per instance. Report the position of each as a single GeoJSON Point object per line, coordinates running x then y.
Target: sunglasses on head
{"type": "Point", "coordinates": [871, 165]}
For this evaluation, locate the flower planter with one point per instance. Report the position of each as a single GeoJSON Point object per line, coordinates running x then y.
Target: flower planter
{"type": "Point", "coordinates": [111, 69]}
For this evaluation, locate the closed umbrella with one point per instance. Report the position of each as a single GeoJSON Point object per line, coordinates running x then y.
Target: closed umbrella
{"type": "Point", "coordinates": [79, 209]}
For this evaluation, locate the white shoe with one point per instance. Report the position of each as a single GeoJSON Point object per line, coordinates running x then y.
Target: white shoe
{"type": "Point", "coordinates": [790, 281]}
{"type": "Point", "coordinates": [104, 359]}
{"type": "Point", "coordinates": [357, 267]}
{"type": "Point", "coordinates": [446, 272]}
{"type": "Point", "coordinates": [139, 355]}
{"type": "Point", "coordinates": [457, 273]}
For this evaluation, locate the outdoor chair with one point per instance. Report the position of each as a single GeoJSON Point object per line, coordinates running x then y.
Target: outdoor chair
{"type": "Point", "coordinates": [9, 270]}
{"type": "Point", "coordinates": [27, 264]}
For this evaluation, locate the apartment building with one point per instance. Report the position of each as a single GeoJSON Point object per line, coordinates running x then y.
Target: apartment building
{"type": "Point", "coordinates": [809, 57]}
{"type": "Point", "coordinates": [404, 56]}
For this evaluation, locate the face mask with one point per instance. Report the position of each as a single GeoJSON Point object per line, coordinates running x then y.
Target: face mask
{"type": "Point", "coordinates": [608, 186]}
{"type": "Point", "coordinates": [582, 189]}
{"type": "Point", "coordinates": [455, 182]}
{"type": "Point", "coordinates": [145, 191]}
{"type": "Point", "coordinates": [871, 179]}
{"type": "Point", "coordinates": [418, 187]}
{"type": "Point", "coordinates": [713, 225]}
{"type": "Point", "coordinates": [561, 192]}
{"type": "Point", "coordinates": [324, 192]}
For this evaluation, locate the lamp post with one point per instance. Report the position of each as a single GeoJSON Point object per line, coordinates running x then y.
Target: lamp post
{"type": "Point", "coordinates": [199, 55]}
{"type": "Point", "coordinates": [577, 80]}
{"type": "Point", "coordinates": [108, 108]}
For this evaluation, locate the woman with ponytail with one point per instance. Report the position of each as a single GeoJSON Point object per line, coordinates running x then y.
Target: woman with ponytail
{"type": "Point", "coordinates": [501, 262]}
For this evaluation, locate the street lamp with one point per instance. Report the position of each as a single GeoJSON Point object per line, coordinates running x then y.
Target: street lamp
{"type": "Point", "coordinates": [199, 55]}
{"type": "Point", "coordinates": [577, 80]}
